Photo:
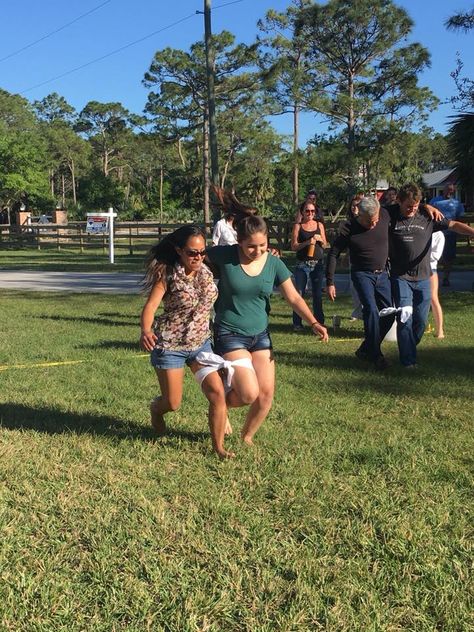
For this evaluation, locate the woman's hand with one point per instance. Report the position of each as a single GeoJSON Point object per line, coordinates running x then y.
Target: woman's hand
{"type": "Point", "coordinates": [148, 340]}
{"type": "Point", "coordinates": [321, 331]}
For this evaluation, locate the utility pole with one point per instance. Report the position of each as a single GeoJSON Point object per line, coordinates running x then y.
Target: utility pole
{"type": "Point", "coordinates": [209, 126]}
{"type": "Point", "coordinates": [211, 100]}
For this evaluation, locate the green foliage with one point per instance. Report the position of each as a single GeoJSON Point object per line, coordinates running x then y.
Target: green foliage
{"type": "Point", "coordinates": [368, 77]}
{"type": "Point", "coordinates": [177, 101]}
{"type": "Point", "coordinates": [54, 108]}
{"type": "Point", "coordinates": [461, 143]}
{"type": "Point", "coordinates": [22, 153]}
{"type": "Point", "coordinates": [99, 192]}
{"type": "Point", "coordinates": [461, 21]}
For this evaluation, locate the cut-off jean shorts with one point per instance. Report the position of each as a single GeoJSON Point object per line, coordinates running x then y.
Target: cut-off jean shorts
{"type": "Point", "coordinates": [174, 359]}
{"type": "Point", "coordinates": [226, 340]}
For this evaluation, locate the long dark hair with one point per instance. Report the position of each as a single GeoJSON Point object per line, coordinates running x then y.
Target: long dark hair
{"type": "Point", "coordinates": [163, 255]}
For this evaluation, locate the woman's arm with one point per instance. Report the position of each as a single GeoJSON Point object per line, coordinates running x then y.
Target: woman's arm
{"type": "Point", "coordinates": [298, 305]}
{"type": "Point", "coordinates": [460, 228]}
{"type": "Point", "coordinates": [147, 337]}
{"type": "Point", "coordinates": [216, 234]}
{"type": "Point", "coordinates": [295, 244]}
{"type": "Point", "coordinates": [322, 230]}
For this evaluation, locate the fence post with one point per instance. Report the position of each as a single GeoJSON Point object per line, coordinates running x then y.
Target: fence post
{"type": "Point", "coordinates": [130, 243]}
{"type": "Point", "coordinates": [58, 237]}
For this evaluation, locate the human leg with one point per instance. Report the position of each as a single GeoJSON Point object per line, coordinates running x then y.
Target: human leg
{"type": "Point", "coordinates": [449, 255]}
{"type": "Point", "coordinates": [244, 381]}
{"type": "Point", "coordinates": [364, 283]}
{"type": "Point", "coordinates": [421, 307]}
{"type": "Point", "coordinates": [383, 298]}
{"type": "Point", "coordinates": [171, 387]}
{"type": "Point", "coordinates": [317, 279]}
{"type": "Point", "coordinates": [264, 366]}
{"type": "Point", "coordinates": [301, 279]}
{"type": "Point", "coordinates": [403, 297]}
{"type": "Point", "coordinates": [213, 388]}
{"type": "Point", "coordinates": [436, 306]}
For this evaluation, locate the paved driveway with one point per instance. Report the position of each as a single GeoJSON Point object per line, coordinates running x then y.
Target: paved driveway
{"type": "Point", "coordinates": [128, 283]}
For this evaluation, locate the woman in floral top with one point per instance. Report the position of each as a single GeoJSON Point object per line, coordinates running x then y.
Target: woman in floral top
{"type": "Point", "coordinates": [177, 276]}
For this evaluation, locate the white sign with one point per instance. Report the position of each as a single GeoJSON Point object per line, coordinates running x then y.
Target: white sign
{"type": "Point", "coordinates": [97, 224]}
{"type": "Point", "coordinates": [100, 224]}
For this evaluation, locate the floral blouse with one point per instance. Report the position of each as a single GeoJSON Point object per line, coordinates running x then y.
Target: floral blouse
{"type": "Point", "coordinates": [187, 304]}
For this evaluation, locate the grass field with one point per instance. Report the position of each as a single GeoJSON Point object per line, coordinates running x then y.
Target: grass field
{"type": "Point", "coordinates": [353, 513]}
{"type": "Point", "coordinates": [94, 260]}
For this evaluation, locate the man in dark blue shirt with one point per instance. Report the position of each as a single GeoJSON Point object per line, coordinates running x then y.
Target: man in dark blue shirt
{"type": "Point", "coordinates": [451, 209]}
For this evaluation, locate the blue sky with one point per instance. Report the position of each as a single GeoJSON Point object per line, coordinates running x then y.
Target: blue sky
{"type": "Point", "coordinates": [119, 22]}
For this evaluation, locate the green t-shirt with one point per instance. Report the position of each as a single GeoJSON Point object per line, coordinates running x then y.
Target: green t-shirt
{"type": "Point", "coordinates": [243, 303]}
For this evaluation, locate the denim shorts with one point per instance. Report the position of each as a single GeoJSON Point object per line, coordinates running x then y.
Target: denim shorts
{"type": "Point", "coordinates": [225, 341]}
{"type": "Point", "coordinates": [174, 359]}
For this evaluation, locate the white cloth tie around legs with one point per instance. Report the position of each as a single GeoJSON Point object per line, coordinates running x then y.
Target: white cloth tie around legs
{"type": "Point", "coordinates": [212, 362]}
{"type": "Point", "coordinates": [405, 312]}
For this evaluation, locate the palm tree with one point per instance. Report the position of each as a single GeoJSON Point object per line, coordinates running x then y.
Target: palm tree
{"type": "Point", "coordinates": [461, 142]}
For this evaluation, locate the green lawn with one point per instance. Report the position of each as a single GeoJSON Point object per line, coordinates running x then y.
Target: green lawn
{"type": "Point", "coordinates": [70, 260]}
{"type": "Point", "coordinates": [353, 513]}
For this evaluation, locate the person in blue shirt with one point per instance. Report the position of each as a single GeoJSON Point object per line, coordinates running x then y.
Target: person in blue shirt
{"type": "Point", "coordinates": [452, 209]}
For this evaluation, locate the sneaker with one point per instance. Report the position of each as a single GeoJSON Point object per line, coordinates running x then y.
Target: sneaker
{"type": "Point", "coordinates": [410, 367]}
{"type": "Point", "coordinates": [297, 327]}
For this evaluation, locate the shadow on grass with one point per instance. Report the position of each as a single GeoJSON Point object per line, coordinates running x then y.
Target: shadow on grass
{"type": "Point", "coordinates": [114, 344]}
{"type": "Point", "coordinates": [86, 319]}
{"type": "Point", "coordinates": [341, 332]}
{"type": "Point", "coordinates": [438, 366]}
{"type": "Point", "coordinates": [53, 421]}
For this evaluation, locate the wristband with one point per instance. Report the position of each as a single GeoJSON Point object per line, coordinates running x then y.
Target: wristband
{"type": "Point", "coordinates": [315, 323]}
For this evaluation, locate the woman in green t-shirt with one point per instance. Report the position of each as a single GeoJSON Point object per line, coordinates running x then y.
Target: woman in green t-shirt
{"type": "Point", "coordinates": [247, 274]}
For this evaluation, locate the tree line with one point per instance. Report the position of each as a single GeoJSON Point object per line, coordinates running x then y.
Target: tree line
{"type": "Point", "coordinates": [346, 61]}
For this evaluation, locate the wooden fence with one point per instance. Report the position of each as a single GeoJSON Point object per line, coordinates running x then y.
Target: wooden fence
{"type": "Point", "coordinates": [136, 237]}
{"type": "Point", "coordinates": [131, 236]}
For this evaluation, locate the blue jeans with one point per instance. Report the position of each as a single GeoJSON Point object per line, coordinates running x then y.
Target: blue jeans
{"type": "Point", "coordinates": [315, 274]}
{"type": "Point", "coordinates": [418, 295]}
{"type": "Point", "coordinates": [174, 359]}
{"type": "Point", "coordinates": [373, 289]}
{"type": "Point", "coordinates": [226, 341]}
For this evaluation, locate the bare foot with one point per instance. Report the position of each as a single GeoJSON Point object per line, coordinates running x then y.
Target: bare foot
{"type": "Point", "coordinates": [247, 440]}
{"type": "Point", "coordinates": [225, 454]}
{"type": "Point", "coordinates": [440, 335]}
{"type": "Point", "coordinates": [157, 420]}
{"type": "Point", "coordinates": [228, 428]}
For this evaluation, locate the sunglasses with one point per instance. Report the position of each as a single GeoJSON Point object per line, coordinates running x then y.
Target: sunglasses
{"type": "Point", "coordinates": [195, 253]}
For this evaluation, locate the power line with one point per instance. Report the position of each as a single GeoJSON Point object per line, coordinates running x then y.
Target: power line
{"type": "Point", "coordinates": [114, 52]}
{"type": "Point", "coordinates": [219, 6]}
{"type": "Point", "coordinates": [117, 50]}
{"type": "Point", "coordinates": [61, 28]}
